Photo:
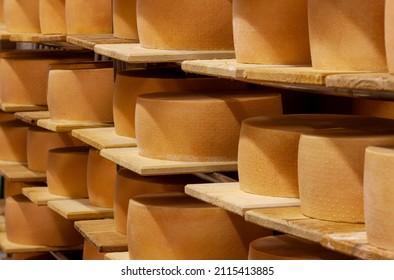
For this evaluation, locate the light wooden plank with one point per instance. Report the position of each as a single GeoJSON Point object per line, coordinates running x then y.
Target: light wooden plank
{"type": "Point", "coordinates": [2, 223]}
{"type": "Point", "coordinates": [13, 108]}
{"type": "Point", "coordinates": [230, 197]}
{"type": "Point", "coordinates": [68, 126]}
{"type": "Point", "coordinates": [103, 138]}
{"type": "Point", "coordinates": [32, 117]}
{"type": "Point", "coordinates": [130, 159]}
{"type": "Point", "coordinates": [79, 209]}
{"type": "Point", "coordinates": [134, 53]}
{"type": "Point", "coordinates": [88, 41]}
{"type": "Point", "coordinates": [102, 235]}
{"type": "Point", "coordinates": [369, 81]}
{"type": "Point", "coordinates": [37, 37]}
{"type": "Point", "coordinates": [118, 256]}
{"type": "Point", "coordinates": [19, 172]}
{"type": "Point", "coordinates": [41, 195]}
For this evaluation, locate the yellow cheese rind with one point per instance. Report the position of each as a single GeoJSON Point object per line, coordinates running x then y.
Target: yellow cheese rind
{"type": "Point", "coordinates": [90, 252]}
{"type": "Point", "coordinates": [22, 16]}
{"type": "Point", "coordinates": [52, 16]}
{"type": "Point", "coordinates": [373, 108]}
{"type": "Point", "coordinates": [13, 139]}
{"type": "Point", "coordinates": [389, 34]}
{"type": "Point", "coordinates": [125, 19]}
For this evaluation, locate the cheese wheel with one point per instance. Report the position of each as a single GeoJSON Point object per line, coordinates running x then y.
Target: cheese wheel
{"type": "Point", "coordinates": [91, 253]}
{"type": "Point", "coordinates": [81, 95]}
{"type": "Point", "coordinates": [101, 175]}
{"type": "Point", "coordinates": [13, 135]}
{"type": "Point", "coordinates": [197, 126]}
{"type": "Point", "coordinates": [180, 25]}
{"type": "Point", "coordinates": [347, 35]}
{"type": "Point", "coordinates": [285, 247]}
{"type": "Point", "coordinates": [6, 116]}
{"type": "Point", "coordinates": [12, 187]}
{"type": "Point", "coordinates": [331, 170]}
{"type": "Point", "coordinates": [125, 19]}
{"type": "Point", "coordinates": [132, 83]}
{"type": "Point", "coordinates": [88, 16]}
{"type": "Point", "coordinates": [129, 184]}
{"type": "Point", "coordinates": [374, 108]}
{"type": "Point", "coordinates": [177, 226]}
{"type": "Point", "coordinates": [379, 196]}
{"type": "Point", "coordinates": [22, 16]}
{"type": "Point", "coordinates": [40, 141]}
{"type": "Point", "coordinates": [66, 171]}
{"type": "Point", "coordinates": [32, 256]}
{"type": "Point", "coordinates": [271, 32]}
{"type": "Point", "coordinates": [52, 16]}
{"type": "Point", "coordinates": [1, 11]}
{"type": "Point", "coordinates": [30, 224]}
{"type": "Point", "coordinates": [389, 34]}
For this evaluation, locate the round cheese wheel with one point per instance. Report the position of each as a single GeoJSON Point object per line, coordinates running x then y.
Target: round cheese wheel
{"type": "Point", "coordinates": [13, 135]}
{"type": "Point", "coordinates": [12, 187]}
{"type": "Point", "coordinates": [379, 196]}
{"type": "Point", "coordinates": [32, 256]}
{"type": "Point", "coordinates": [40, 141]}
{"type": "Point", "coordinates": [1, 11]}
{"type": "Point", "coordinates": [374, 108]}
{"type": "Point", "coordinates": [52, 16]}
{"type": "Point", "coordinates": [30, 224]}
{"type": "Point", "coordinates": [125, 19]}
{"type": "Point", "coordinates": [180, 25]}
{"type": "Point", "coordinates": [6, 116]}
{"type": "Point", "coordinates": [197, 126]}
{"type": "Point", "coordinates": [285, 247]}
{"type": "Point", "coordinates": [389, 34]}
{"type": "Point", "coordinates": [22, 16]}
{"type": "Point", "coordinates": [132, 83]}
{"type": "Point", "coordinates": [271, 32]}
{"type": "Point", "coordinates": [347, 35]}
{"type": "Point", "coordinates": [177, 226]}
{"type": "Point", "coordinates": [101, 175]}
{"type": "Point", "coordinates": [81, 95]}
{"type": "Point", "coordinates": [88, 16]}
{"type": "Point", "coordinates": [66, 171]}
{"type": "Point", "coordinates": [91, 253]}
{"type": "Point", "coordinates": [331, 171]}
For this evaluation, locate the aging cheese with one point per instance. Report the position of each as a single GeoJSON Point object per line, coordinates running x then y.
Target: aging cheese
{"type": "Point", "coordinates": [30, 224]}
{"type": "Point", "coordinates": [185, 25]}
{"type": "Point", "coordinates": [52, 16]}
{"type": "Point", "coordinates": [197, 126]}
{"type": "Point", "coordinates": [1, 11]}
{"type": "Point", "coordinates": [379, 196]}
{"type": "Point", "coordinates": [22, 16]}
{"type": "Point", "coordinates": [13, 135]}
{"type": "Point", "coordinates": [389, 34]}
{"type": "Point", "coordinates": [6, 116]}
{"type": "Point", "coordinates": [12, 187]}
{"type": "Point", "coordinates": [125, 19]}
{"type": "Point", "coordinates": [374, 108]}
{"type": "Point", "coordinates": [101, 176]}
{"type": "Point", "coordinates": [347, 35]}
{"type": "Point", "coordinates": [271, 32]}
{"type": "Point", "coordinates": [66, 171]}
{"type": "Point", "coordinates": [331, 171]}
{"type": "Point", "coordinates": [91, 253]}
{"type": "Point", "coordinates": [177, 226]}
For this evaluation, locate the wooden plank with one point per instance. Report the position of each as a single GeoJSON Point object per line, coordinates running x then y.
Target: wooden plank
{"type": "Point", "coordinates": [79, 209]}
{"type": "Point", "coordinates": [370, 81]}
{"type": "Point", "coordinates": [41, 195]}
{"type": "Point", "coordinates": [130, 159]}
{"type": "Point", "coordinates": [2, 223]}
{"type": "Point", "coordinates": [90, 40]}
{"type": "Point", "coordinates": [13, 108]}
{"type": "Point", "coordinates": [103, 138]}
{"type": "Point", "coordinates": [134, 53]}
{"type": "Point", "coordinates": [37, 37]}
{"type": "Point", "coordinates": [118, 256]}
{"type": "Point", "coordinates": [32, 117]}
{"type": "Point", "coordinates": [230, 197]}
{"type": "Point", "coordinates": [68, 126]}
{"type": "Point", "coordinates": [103, 235]}
{"type": "Point", "coordinates": [19, 172]}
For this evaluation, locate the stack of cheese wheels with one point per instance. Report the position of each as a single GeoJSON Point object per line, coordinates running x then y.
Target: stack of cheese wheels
{"type": "Point", "coordinates": [177, 226]}
{"type": "Point", "coordinates": [271, 32]}
{"type": "Point", "coordinates": [389, 34]}
{"type": "Point", "coordinates": [13, 139]}
{"type": "Point", "coordinates": [347, 35]}
{"type": "Point", "coordinates": [129, 184]}
{"type": "Point", "coordinates": [29, 224]}
{"type": "Point", "coordinates": [22, 16]}
{"type": "Point", "coordinates": [331, 171]}
{"type": "Point", "coordinates": [195, 25]}
{"type": "Point", "coordinates": [268, 149]}
{"type": "Point", "coordinates": [285, 247]}
{"type": "Point", "coordinates": [197, 125]}
{"type": "Point", "coordinates": [379, 196]}
{"type": "Point", "coordinates": [52, 16]}
{"type": "Point", "coordinates": [101, 176]}
{"type": "Point", "coordinates": [373, 108]}
{"type": "Point", "coordinates": [88, 16]}
{"type": "Point", "coordinates": [132, 83]}
{"type": "Point", "coordinates": [125, 19]}
{"type": "Point", "coordinates": [90, 252]}
{"type": "Point", "coordinates": [40, 141]}
{"type": "Point", "coordinates": [81, 92]}
{"type": "Point", "coordinates": [66, 171]}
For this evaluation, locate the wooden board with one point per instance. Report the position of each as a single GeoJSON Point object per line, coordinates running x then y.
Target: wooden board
{"type": "Point", "coordinates": [103, 137]}
{"type": "Point", "coordinates": [32, 117]}
{"type": "Point", "coordinates": [37, 37]}
{"type": "Point", "coordinates": [41, 195]}
{"type": "Point", "coordinates": [370, 81]}
{"type": "Point", "coordinates": [130, 159]}
{"type": "Point", "coordinates": [103, 235]}
{"type": "Point", "coordinates": [13, 108]}
{"type": "Point", "coordinates": [68, 126]}
{"type": "Point", "coordinates": [230, 197]}
{"type": "Point", "coordinates": [90, 40]}
{"type": "Point", "coordinates": [119, 256]}
{"type": "Point", "coordinates": [18, 172]}
{"type": "Point", "coordinates": [134, 53]}
{"type": "Point", "coordinates": [2, 223]}
{"type": "Point", "coordinates": [79, 209]}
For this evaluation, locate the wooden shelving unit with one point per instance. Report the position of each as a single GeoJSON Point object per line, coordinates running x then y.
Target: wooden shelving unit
{"type": "Point", "coordinates": [19, 172]}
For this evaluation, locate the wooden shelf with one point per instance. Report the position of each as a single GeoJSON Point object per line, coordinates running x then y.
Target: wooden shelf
{"type": "Point", "coordinates": [367, 82]}
{"type": "Point", "coordinates": [13, 108]}
{"type": "Point", "coordinates": [36, 37]}
{"type": "Point", "coordinates": [90, 41]}
{"type": "Point", "coordinates": [2, 223]}
{"type": "Point", "coordinates": [120, 256]}
{"type": "Point", "coordinates": [41, 195]}
{"type": "Point", "coordinates": [19, 172]}
{"type": "Point", "coordinates": [130, 159]}
{"type": "Point", "coordinates": [32, 117]}
{"type": "Point", "coordinates": [68, 126]}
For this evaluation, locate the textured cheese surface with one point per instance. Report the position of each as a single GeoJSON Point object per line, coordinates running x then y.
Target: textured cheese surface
{"type": "Point", "coordinates": [125, 19]}
{"type": "Point", "coordinates": [177, 226]}
{"type": "Point", "coordinates": [185, 25]}
{"type": "Point", "coordinates": [90, 252]}
{"type": "Point", "coordinates": [30, 224]}
{"type": "Point", "coordinates": [22, 16]}
{"type": "Point", "coordinates": [81, 95]}
{"type": "Point", "coordinates": [347, 35]}
{"type": "Point", "coordinates": [331, 171]}
{"type": "Point", "coordinates": [66, 171]}
{"type": "Point", "coordinates": [379, 196]}
{"type": "Point", "coordinates": [12, 188]}
{"type": "Point", "coordinates": [101, 175]}
{"type": "Point", "coordinates": [265, 32]}
{"type": "Point", "coordinates": [389, 34]}
{"type": "Point", "coordinates": [373, 108]}
{"type": "Point", "coordinates": [88, 16]}
{"type": "Point", "coordinates": [13, 139]}
{"type": "Point", "coordinates": [52, 16]}
{"type": "Point", "coordinates": [197, 126]}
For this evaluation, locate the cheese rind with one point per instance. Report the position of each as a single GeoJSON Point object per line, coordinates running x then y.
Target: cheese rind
{"type": "Point", "coordinates": [389, 34]}
{"type": "Point", "coordinates": [125, 19]}
{"type": "Point", "coordinates": [22, 16]}
{"type": "Point", "coordinates": [52, 16]}
{"type": "Point", "coordinates": [373, 108]}
{"type": "Point", "coordinates": [13, 139]}
{"type": "Point", "coordinates": [90, 252]}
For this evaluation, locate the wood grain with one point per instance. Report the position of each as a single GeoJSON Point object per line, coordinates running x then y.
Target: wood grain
{"type": "Point", "coordinates": [79, 209]}
{"type": "Point", "coordinates": [36, 37]}
{"type": "Point", "coordinates": [41, 195]}
{"type": "Point", "coordinates": [68, 126]}
{"type": "Point", "coordinates": [32, 117]}
{"type": "Point", "coordinates": [88, 41]}
{"type": "Point", "coordinates": [13, 108]}
{"type": "Point", "coordinates": [19, 172]}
